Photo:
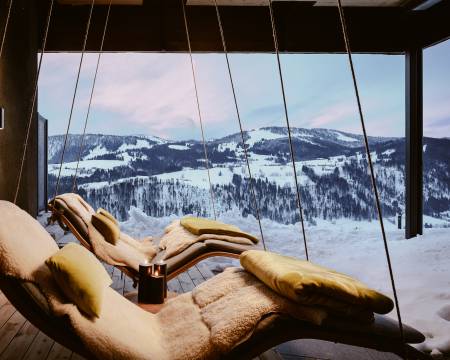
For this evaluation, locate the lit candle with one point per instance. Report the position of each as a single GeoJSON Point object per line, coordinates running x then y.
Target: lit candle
{"type": "Point", "coordinates": [157, 284]}
{"type": "Point", "coordinates": [160, 268]}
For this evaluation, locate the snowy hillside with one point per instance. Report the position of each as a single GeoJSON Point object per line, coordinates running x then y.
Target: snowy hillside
{"type": "Point", "coordinates": [164, 177]}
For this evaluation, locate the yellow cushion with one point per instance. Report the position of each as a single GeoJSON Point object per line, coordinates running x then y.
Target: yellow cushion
{"type": "Point", "coordinates": [81, 277]}
{"type": "Point", "coordinates": [108, 215]}
{"type": "Point", "coordinates": [106, 227]}
{"type": "Point", "coordinates": [199, 226]}
{"type": "Point", "coordinates": [307, 283]}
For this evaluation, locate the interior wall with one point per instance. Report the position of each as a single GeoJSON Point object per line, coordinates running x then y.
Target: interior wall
{"type": "Point", "coordinates": [17, 73]}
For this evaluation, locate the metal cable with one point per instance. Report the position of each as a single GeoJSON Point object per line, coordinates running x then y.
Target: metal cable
{"type": "Point", "coordinates": [74, 97]}
{"type": "Point", "coordinates": [33, 102]}
{"type": "Point", "coordinates": [369, 158]}
{"type": "Point", "coordinates": [74, 185]}
{"type": "Point", "coordinates": [291, 146]}
{"type": "Point", "coordinates": [222, 36]}
{"type": "Point", "coordinates": [5, 29]}
{"type": "Point", "coordinates": [198, 109]}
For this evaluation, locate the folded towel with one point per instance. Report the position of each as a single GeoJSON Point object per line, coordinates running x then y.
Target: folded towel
{"type": "Point", "coordinates": [200, 226]}
{"type": "Point", "coordinates": [176, 239]}
{"type": "Point", "coordinates": [311, 284]}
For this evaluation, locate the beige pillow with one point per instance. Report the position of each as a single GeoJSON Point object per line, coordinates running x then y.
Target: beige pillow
{"type": "Point", "coordinates": [108, 215]}
{"type": "Point", "coordinates": [81, 277]}
{"type": "Point", "coordinates": [106, 227]}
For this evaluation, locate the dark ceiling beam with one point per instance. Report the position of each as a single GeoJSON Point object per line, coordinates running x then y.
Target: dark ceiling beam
{"type": "Point", "coordinates": [158, 26]}
{"type": "Point", "coordinates": [432, 25]}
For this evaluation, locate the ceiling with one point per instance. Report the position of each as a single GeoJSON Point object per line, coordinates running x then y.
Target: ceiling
{"type": "Point", "coordinates": [101, 2]}
{"type": "Point", "coordinates": [356, 3]}
{"type": "Point", "coordinates": [371, 3]}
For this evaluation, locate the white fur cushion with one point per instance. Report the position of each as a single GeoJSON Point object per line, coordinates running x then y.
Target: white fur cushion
{"type": "Point", "coordinates": [24, 243]}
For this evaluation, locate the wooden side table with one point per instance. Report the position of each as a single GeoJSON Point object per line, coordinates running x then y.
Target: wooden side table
{"type": "Point", "coordinates": [153, 308]}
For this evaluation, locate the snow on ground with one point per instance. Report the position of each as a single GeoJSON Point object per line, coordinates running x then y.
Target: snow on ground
{"type": "Point", "coordinates": [262, 166]}
{"type": "Point", "coordinates": [261, 134]}
{"type": "Point", "coordinates": [421, 265]}
{"type": "Point", "coordinates": [343, 137]}
{"type": "Point", "coordinates": [140, 144]}
{"type": "Point", "coordinates": [97, 151]}
{"type": "Point", "coordinates": [178, 147]}
{"type": "Point", "coordinates": [86, 167]}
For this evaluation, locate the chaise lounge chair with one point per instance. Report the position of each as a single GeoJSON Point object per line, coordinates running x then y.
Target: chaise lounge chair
{"type": "Point", "coordinates": [25, 245]}
{"type": "Point", "coordinates": [69, 220]}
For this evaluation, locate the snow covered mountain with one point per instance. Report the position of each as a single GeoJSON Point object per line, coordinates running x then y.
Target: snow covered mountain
{"type": "Point", "coordinates": [164, 177]}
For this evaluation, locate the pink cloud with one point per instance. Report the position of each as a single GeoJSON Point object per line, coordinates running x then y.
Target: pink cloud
{"type": "Point", "coordinates": [151, 90]}
{"type": "Point", "coordinates": [156, 90]}
{"type": "Point", "coordinates": [330, 116]}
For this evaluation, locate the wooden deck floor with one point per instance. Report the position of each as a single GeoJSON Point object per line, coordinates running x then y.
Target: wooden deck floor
{"type": "Point", "coordinates": [21, 340]}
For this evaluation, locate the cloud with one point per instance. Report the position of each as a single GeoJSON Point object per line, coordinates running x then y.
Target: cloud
{"type": "Point", "coordinates": [157, 91]}
{"type": "Point", "coordinates": [145, 91]}
{"type": "Point", "coordinates": [333, 115]}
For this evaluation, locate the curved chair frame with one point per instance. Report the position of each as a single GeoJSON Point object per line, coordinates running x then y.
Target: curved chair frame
{"type": "Point", "coordinates": [66, 224]}
{"type": "Point", "coordinates": [271, 331]}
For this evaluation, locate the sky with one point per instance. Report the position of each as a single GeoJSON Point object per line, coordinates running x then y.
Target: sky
{"type": "Point", "coordinates": [153, 93]}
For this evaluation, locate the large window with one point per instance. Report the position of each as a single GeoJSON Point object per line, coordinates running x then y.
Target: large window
{"type": "Point", "coordinates": [143, 158]}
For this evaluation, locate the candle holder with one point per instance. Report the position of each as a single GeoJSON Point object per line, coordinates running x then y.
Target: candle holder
{"type": "Point", "coordinates": [144, 289]}
{"type": "Point", "coordinates": [157, 284]}
{"type": "Point", "coordinates": [160, 268]}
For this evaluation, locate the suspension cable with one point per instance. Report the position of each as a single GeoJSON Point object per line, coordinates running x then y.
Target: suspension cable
{"type": "Point", "coordinates": [224, 45]}
{"type": "Point", "coordinates": [205, 150]}
{"type": "Point", "coordinates": [291, 146]}
{"type": "Point", "coordinates": [33, 102]}
{"type": "Point", "coordinates": [5, 29]}
{"type": "Point", "coordinates": [371, 169]}
{"type": "Point", "coordinates": [74, 97]}
{"type": "Point", "coordinates": [94, 81]}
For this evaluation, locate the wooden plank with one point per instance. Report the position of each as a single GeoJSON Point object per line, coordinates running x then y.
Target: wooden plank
{"type": "Point", "coordinates": [40, 348]}
{"type": "Point", "coordinates": [10, 329]}
{"type": "Point", "coordinates": [6, 311]}
{"type": "Point", "coordinates": [128, 285]}
{"type": "Point", "coordinates": [186, 282]}
{"type": "Point", "coordinates": [205, 270]}
{"type": "Point", "coordinates": [117, 281]}
{"type": "Point", "coordinates": [175, 286]}
{"type": "Point", "coordinates": [20, 344]}
{"type": "Point", "coordinates": [195, 275]}
{"type": "Point", "coordinates": [59, 352]}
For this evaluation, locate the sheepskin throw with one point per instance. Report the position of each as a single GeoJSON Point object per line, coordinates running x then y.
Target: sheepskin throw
{"type": "Point", "coordinates": [177, 238]}
{"type": "Point", "coordinates": [203, 324]}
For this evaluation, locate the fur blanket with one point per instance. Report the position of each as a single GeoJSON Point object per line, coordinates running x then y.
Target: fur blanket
{"type": "Point", "coordinates": [177, 238]}
{"type": "Point", "coordinates": [203, 324]}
